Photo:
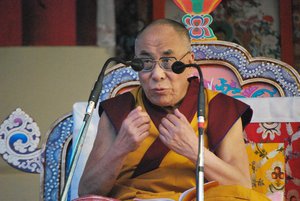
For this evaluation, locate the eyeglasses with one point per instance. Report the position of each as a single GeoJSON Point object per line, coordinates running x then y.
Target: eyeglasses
{"type": "Point", "coordinates": [164, 62]}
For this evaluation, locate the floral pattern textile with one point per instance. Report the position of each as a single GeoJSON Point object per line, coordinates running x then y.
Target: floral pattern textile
{"type": "Point", "coordinates": [252, 24]}
{"type": "Point", "coordinates": [270, 141]}
{"type": "Point", "coordinates": [266, 161]}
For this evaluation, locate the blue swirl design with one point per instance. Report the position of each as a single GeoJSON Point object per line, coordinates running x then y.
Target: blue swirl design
{"type": "Point", "coordinates": [19, 139]}
{"type": "Point", "coordinates": [236, 92]}
{"type": "Point", "coordinates": [53, 158]}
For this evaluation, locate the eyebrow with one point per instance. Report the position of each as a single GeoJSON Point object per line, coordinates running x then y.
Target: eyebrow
{"type": "Point", "coordinates": [145, 53]}
{"type": "Point", "coordinates": [168, 52]}
{"type": "Point", "coordinates": [165, 53]}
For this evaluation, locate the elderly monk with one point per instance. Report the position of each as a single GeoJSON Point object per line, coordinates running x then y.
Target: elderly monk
{"type": "Point", "coordinates": [147, 141]}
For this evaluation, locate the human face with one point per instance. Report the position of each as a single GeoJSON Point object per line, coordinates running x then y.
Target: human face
{"type": "Point", "coordinates": [163, 88]}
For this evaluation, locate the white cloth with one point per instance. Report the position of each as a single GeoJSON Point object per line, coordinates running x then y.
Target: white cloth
{"type": "Point", "coordinates": [274, 109]}
{"type": "Point", "coordinates": [79, 110]}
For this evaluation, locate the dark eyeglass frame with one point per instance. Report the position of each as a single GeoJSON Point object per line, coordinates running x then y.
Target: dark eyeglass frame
{"type": "Point", "coordinates": [160, 62]}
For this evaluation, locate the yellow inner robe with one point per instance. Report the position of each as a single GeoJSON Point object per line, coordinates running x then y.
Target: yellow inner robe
{"type": "Point", "coordinates": [174, 175]}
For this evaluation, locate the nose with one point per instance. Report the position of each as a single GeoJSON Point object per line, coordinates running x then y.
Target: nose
{"type": "Point", "coordinates": [157, 72]}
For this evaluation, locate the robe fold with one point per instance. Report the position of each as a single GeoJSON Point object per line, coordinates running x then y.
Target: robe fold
{"type": "Point", "coordinates": [155, 171]}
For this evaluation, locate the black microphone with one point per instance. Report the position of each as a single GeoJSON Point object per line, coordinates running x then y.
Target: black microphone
{"type": "Point", "coordinates": [178, 67]}
{"type": "Point", "coordinates": [136, 64]}
{"type": "Point", "coordinates": [95, 93]}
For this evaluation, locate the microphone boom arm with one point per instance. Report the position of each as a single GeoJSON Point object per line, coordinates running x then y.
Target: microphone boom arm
{"type": "Point", "coordinates": [178, 67]}
{"type": "Point", "coordinates": [201, 121]}
{"type": "Point", "coordinates": [78, 143]}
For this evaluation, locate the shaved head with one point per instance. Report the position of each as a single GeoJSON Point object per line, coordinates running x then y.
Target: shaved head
{"type": "Point", "coordinates": [177, 27]}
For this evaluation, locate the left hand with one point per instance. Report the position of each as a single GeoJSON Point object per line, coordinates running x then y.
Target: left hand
{"type": "Point", "coordinates": [178, 135]}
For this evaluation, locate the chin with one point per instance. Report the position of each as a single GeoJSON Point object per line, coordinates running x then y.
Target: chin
{"type": "Point", "coordinates": [161, 103]}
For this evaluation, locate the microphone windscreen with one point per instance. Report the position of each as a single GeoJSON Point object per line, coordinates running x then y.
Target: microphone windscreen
{"type": "Point", "coordinates": [178, 67]}
{"type": "Point", "coordinates": [137, 64]}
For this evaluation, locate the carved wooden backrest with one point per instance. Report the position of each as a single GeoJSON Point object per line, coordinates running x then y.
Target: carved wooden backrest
{"type": "Point", "coordinates": [229, 68]}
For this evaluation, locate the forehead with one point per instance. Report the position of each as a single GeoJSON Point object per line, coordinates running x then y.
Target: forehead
{"type": "Point", "coordinates": [160, 40]}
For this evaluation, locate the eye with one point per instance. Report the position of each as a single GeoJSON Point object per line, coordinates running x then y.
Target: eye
{"type": "Point", "coordinates": [166, 62]}
{"type": "Point", "coordinates": [147, 61]}
{"type": "Point", "coordinates": [166, 59]}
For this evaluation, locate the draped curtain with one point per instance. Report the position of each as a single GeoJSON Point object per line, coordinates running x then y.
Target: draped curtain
{"type": "Point", "coordinates": [57, 23]}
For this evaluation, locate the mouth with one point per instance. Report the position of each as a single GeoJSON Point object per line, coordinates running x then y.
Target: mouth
{"type": "Point", "coordinates": [159, 90]}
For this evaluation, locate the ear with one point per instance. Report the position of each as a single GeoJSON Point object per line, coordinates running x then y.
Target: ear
{"type": "Point", "coordinates": [192, 58]}
{"type": "Point", "coordinates": [192, 72]}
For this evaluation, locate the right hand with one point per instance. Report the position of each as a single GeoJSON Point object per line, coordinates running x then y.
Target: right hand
{"type": "Point", "coordinates": [178, 135]}
{"type": "Point", "coordinates": [134, 129]}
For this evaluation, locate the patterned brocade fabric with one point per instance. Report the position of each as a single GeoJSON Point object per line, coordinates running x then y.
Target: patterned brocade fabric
{"type": "Point", "coordinates": [274, 157]}
{"type": "Point", "coordinates": [266, 161]}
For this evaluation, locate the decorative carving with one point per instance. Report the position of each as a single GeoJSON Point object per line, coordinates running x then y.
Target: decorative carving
{"type": "Point", "coordinates": [240, 61]}
{"type": "Point", "coordinates": [116, 77]}
{"type": "Point", "coordinates": [56, 157]}
{"type": "Point", "coordinates": [19, 140]}
{"type": "Point", "coordinates": [198, 26]}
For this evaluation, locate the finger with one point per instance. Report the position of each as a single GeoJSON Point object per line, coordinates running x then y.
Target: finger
{"type": "Point", "coordinates": [172, 122]}
{"type": "Point", "coordinates": [135, 111]}
{"type": "Point", "coordinates": [138, 116]}
{"type": "Point", "coordinates": [168, 121]}
{"type": "Point", "coordinates": [143, 135]}
{"type": "Point", "coordinates": [163, 132]}
{"type": "Point", "coordinates": [140, 120]}
{"type": "Point", "coordinates": [143, 128]}
{"type": "Point", "coordinates": [181, 116]}
{"type": "Point", "coordinates": [163, 138]}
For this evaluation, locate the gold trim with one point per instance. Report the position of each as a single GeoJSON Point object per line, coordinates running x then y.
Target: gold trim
{"type": "Point", "coordinates": [115, 90]}
{"type": "Point", "coordinates": [115, 67]}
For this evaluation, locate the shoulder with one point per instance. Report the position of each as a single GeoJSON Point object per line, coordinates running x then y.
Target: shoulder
{"type": "Point", "coordinates": [220, 103]}
{"type": "Point", "coordinates": [111, 103]}
{"type": "Point", "coordinates": [118, 107]}
{"type": "Point", "coordinates": [223, 112]}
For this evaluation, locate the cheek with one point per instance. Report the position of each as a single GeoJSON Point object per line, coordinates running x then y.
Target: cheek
{"type": "Point", "coordinates": [179, 81]}
{"type": "Point", "coordinates": [144, 81]}
{"type": "Point", "coordinates": [180, 85]}
{"type": "Point", "coordinates": [142, 78]}
{"type": "Point", "coordinates": [179, 90]}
